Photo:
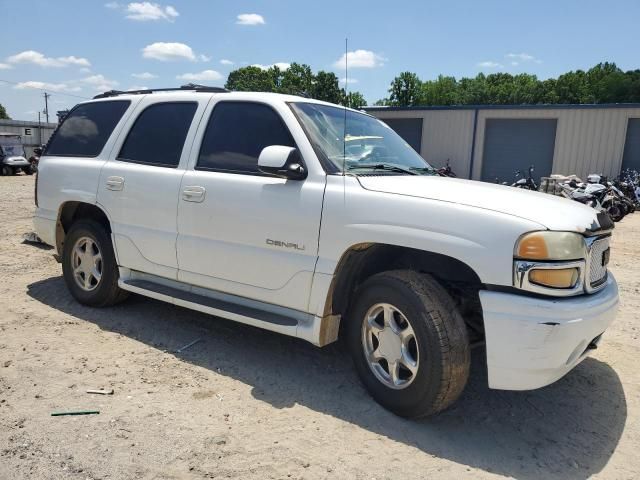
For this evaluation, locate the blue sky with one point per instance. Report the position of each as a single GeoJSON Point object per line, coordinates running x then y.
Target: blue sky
{"type": "Point", "coordinates": [80, 47]}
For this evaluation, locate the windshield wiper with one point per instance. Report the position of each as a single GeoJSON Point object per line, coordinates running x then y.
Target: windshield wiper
{"type": "Point", "coordinates": [382, 166]}
{"type": "Point", "coordinates": [427, 170]}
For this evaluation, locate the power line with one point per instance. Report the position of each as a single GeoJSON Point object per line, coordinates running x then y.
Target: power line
{"type": "Point", "coordinates": [45, 90]}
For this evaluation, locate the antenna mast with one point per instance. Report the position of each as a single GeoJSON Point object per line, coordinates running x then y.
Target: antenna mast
{"type": "Point", "coordinates": [346, 100]}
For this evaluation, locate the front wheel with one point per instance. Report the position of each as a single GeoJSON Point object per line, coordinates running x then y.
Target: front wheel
{"type": "Point", "coordinates": [408, 342]}
{"type": "Point", "coordinates": [89, 265]}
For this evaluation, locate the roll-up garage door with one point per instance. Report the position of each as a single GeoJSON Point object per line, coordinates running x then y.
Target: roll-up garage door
{"type": "Point", "coordinates": [408, 128]}
{"type": "Point", "coordinates": [631, 157]}
{"type": "Point", "coordinates": [514, 144]}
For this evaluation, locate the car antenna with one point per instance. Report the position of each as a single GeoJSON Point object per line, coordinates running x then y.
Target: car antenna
{"type": "Point", "coordinates": [346, 99]}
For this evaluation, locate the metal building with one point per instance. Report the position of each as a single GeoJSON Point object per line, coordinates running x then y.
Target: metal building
{"type": "Point", "coordinates": [33, 134]}
{"type": "Point", "coordinates": [489, 142]}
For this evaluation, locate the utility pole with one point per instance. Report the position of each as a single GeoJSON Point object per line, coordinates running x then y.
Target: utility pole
{"type": "Point", "coordinates": [46, 105]}
{"type": "Point", "coordinates": [39, 131]}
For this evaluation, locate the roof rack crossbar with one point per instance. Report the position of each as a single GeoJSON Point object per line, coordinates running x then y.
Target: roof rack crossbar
{"type": "Point", "coordinates": [189, 86]}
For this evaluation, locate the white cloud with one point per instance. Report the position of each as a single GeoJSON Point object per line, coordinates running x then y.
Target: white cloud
{"type": "Point", "coordinates": [490, 64]}
{"type": "Point", "coordinates": [519, 56]}
{"type": "Point", "coordinates": [147, 11]}
{"type": "Point", "coordinates": [206, 75]}
{"type": "Point", "coordinates": [144, 76]}
{"type": "Point", "coordinates": [281, 65]}
{"type": "Point", "coordinates": [204, 58]}
{"type": "Point", "coordinates": [250, 19]}
{"type": "Point", "coordinates": [85, 70]}
{"type": "Point", "coordinates": [112, 5]}
{"type": "Point", "coordinates": [5, 66]}
{"type": "Point", "coordinates": [224, 61]}
{"type": "Point", "coordinates": [168, 51]}
{"type": "Point", "coordinates": [37, 58]}
{"type": "Point", "coordinates": [137, 87]}
{"type": "Point", "coordinates": [54, 87]}
{"type": "Point", "coordinates": [360, 59]}
{"type": "Point", "coordinates": [99, 83]}
{"type": "Point", "coordinates": [348, 80]}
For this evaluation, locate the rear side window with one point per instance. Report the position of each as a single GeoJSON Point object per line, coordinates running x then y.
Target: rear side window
{"type": "Point", "coordinates": [86, 129]}
{"type": "Point", "coordinates": [158, 134]}
{"type": "Point", "coordinates": [236, 134]}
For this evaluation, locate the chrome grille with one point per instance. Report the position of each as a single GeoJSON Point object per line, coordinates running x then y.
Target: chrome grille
{"type": "Point", "coordinates": [597, 271]}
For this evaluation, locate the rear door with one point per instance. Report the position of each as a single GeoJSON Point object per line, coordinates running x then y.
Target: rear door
{"type": "Point", "coordinates": [139, 184]}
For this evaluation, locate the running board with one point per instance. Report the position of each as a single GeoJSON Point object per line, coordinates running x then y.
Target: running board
{"type": "Point", "coordinates": [282, 320]}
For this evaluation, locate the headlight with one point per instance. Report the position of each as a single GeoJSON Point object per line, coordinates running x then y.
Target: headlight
{"type": "Point", "coordinates": [550, 246]}
{"type": "Point", "coordinates": [551, 263]}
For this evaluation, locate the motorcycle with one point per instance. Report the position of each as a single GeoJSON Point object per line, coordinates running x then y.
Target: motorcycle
{"type": "Point", "coordinates": [527, 183]}
{"type": "Point", "coordinates": [35, 159]}
{"type": "Point", "coordinates": [446, 171]}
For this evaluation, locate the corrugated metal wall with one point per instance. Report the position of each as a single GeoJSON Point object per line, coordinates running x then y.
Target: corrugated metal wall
{"type": "Point", "coordinates": [29, 141]}
{"type": "Point", "coordinates": [588, 140]}
{"type": "Point", "coordinates": [446, 134]}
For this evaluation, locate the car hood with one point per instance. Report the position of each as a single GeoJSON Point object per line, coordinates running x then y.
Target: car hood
{"type": "Point", "coordinates": [552, 212]}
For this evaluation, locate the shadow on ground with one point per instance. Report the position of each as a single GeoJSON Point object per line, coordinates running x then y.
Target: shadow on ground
{"type": "Point", "coordinates": [567, 430]}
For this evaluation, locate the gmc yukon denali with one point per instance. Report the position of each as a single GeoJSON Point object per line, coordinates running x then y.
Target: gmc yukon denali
{"type": "Point", "coordinates": [315, 221]}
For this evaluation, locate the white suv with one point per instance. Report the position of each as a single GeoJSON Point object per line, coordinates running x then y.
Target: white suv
{"type": "Point", "coordinates": [319, 222]}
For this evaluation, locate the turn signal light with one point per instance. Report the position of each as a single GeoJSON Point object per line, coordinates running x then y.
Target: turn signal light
{"type": "Point", "coordinates": [555, 278]}
{"type": "Point", "coordinates": [533, 247]}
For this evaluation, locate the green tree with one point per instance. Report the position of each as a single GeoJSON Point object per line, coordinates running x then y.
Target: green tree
{"type": "Point", "coordinates": [442, 91]}
{"type": "Point", "coordinates": [326, 87]}
{"type": "Point", "coordinates": [3, 113]}
{"type": "Point", "coordinates": [473, 91]}
{"type": "Point", "coordinates": [355, 100]}
{"type": "Point", "coordinates": [297, 79]}
{"type": "Point", "coordinates": [251, 79]}
{"type": "Point", "coordinates": [573, 87]}
{"type": "Point", "coordinates": [383, 102]}
{"type": "Point", "coordinates": [405, 90]}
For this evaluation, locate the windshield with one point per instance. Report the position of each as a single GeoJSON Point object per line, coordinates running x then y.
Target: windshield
{"type": "Point", "coordinates": [11, 147]}
{"type": "Point", "coordinates": [365, 144]}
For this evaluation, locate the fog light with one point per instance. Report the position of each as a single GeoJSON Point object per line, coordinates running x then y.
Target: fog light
{"type": "Point", "coordinates": [555, 278]}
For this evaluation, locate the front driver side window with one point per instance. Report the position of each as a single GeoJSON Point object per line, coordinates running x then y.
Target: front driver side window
{"type": "Point", "coordinates": [236, 134]}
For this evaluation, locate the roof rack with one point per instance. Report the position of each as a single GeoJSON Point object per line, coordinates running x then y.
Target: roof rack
{"type": "Point", "coordinates": [188, 86]}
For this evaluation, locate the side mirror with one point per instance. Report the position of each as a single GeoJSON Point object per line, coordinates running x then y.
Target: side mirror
{"type": "Point", "coordinates": [282, 161]}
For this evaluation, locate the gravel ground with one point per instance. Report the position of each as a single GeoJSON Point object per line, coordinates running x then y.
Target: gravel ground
{"type": "Point", "coordinates": [244, 403]}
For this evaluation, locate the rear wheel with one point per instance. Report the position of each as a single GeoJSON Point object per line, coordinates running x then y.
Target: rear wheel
{"type": "Point", "coordinates": [408, 342]}
{"type": "Point", "coordinates": [89, 266]}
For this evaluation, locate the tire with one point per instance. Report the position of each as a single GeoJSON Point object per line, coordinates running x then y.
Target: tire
{"type": "Point", "coordinates": [6, 170]}
{"type": "Point", "coordinates": [28, 170]}
{"type": "Point", "coordinates": [441, 344]}
{"type": "Point", "coordinates": [94, 292]}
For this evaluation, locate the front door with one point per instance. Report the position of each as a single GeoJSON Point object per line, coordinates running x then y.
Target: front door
{"type": "Point", "coordinates": [241, 231]}
{"type": "Point", "coordinates": [139, 185]}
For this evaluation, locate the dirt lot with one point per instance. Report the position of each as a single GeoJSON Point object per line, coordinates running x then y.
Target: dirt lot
{"type": "Point", "coordinates": [244, 403]}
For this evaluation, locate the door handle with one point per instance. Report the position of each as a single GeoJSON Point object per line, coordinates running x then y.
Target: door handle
{"type": "Point", "coordinates": [115, 183]}
{"type": "Point", "coordinates": [193, 194]}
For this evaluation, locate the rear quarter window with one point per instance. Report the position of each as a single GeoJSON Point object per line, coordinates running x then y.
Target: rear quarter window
{"type": "Point", "coordinates": [86, 129]}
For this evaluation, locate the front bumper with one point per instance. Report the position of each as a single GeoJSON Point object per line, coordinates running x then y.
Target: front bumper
{"type": "Point", "coordinates": [17, 162]}
{"type": "Point", "coordinates": [532, 342]}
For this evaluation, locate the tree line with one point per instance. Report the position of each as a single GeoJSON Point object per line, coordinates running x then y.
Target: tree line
{"type": "Point", "coordinates": [298, 79]}
{"type": "Point", "coordinates": [604, 83]}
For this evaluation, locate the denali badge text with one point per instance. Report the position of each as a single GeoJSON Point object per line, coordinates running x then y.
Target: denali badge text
{"type": "Point", "coordinates": [279, 243]}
